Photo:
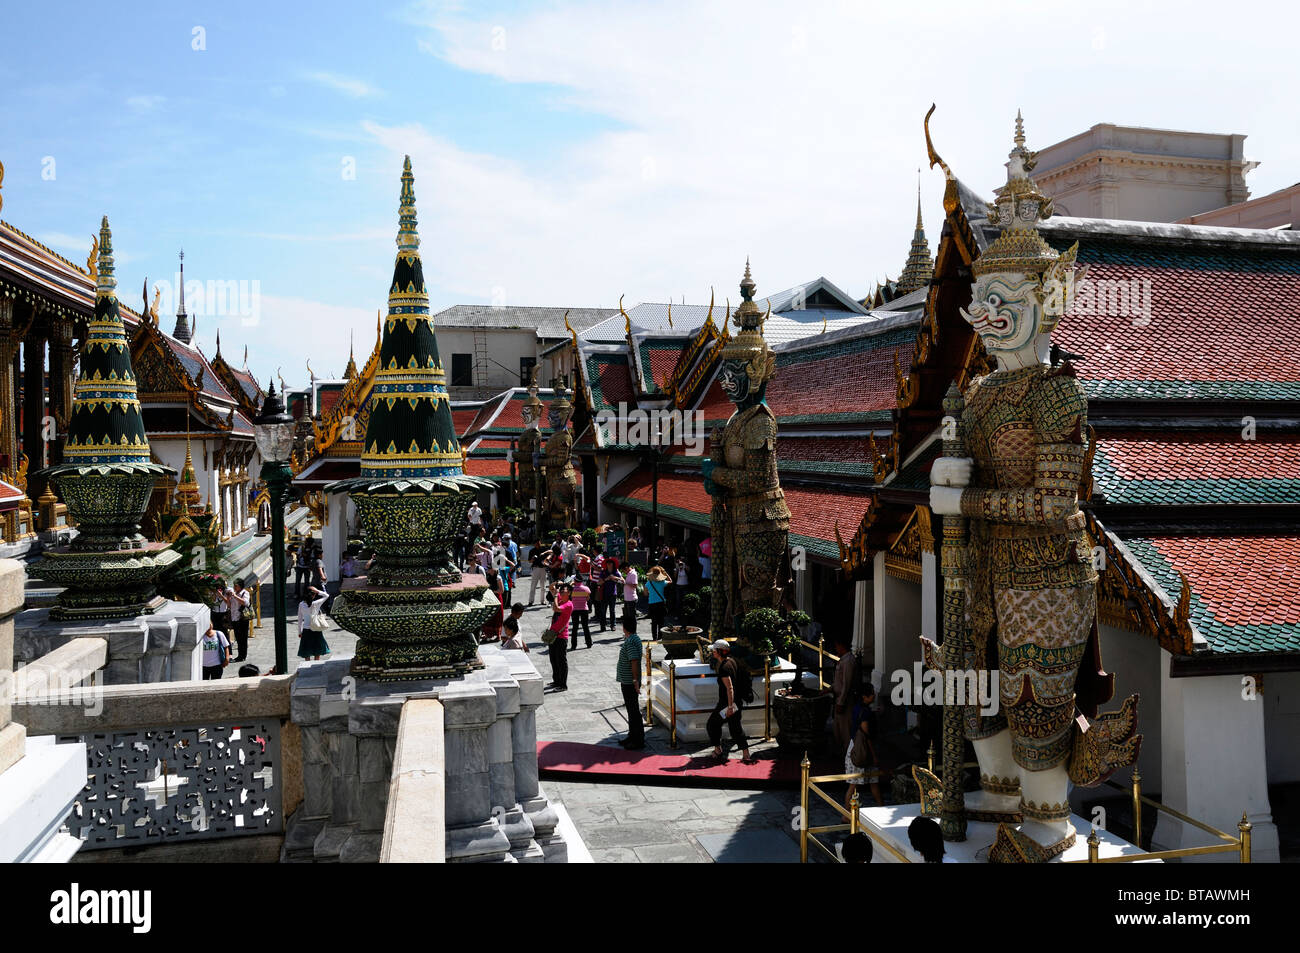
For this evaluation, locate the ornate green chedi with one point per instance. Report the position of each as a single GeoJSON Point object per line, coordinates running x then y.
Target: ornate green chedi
{"type": "Point", "coordinates": [106, 476]}
{"type": "Point", "coordinates": [416, 614]}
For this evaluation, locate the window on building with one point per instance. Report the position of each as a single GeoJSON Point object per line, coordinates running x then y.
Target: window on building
{"type": "Point", "coordinates": [462, 370]}
{"type": "Point", "coordinates": [526, 365]}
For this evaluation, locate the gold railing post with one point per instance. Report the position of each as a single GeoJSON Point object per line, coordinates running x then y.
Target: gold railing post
{"type": "Point", "coordinates": [672, 702]}
{"type": "Point", "coordinates": [1243, 829]}
{"type": "Point", "coordinates": [1137, 808]}
{"type": "Point", "coordinates": [821, 662]}
{"type": "Point", "coordinates": [930, 755]}
{"type": "Point", "coordinates": [855, 804]}
{"type": "Point", "coordinates": [767, 698]}
{"type": "Point", "coordinates": [803, 808]}
{"type": "Point", "coordinates": [1094, 843]}
{"type": "Point", "coordinates": [649, 689]}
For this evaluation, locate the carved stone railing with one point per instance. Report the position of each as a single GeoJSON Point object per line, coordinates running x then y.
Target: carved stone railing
{"type": "Point", "coordinates": [179, 761]}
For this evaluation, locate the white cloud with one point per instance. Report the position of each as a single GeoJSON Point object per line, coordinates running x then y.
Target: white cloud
{"type": "Point", "coordinates": [789, 133]}
{"type": "Point", "coordinates": [145, 103]}
{"type": "Point", "coordinates": [347, 85]}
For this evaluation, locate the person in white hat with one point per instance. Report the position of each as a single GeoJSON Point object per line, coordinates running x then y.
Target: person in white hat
{"type": "Point", "coordinates": [729, 707]}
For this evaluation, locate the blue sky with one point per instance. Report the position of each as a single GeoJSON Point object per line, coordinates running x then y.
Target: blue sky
{"type": "Point", "coordinates": [567, 153]}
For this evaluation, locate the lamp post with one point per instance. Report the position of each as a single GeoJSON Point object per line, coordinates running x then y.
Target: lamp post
{"type": "Point", "coordinates": [273, 429]}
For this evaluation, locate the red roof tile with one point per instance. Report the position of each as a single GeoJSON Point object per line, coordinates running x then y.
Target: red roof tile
{"type": "Point", "coordinates": [1200, 455]}
{"type": "Point", "coordinates": [462, 420]}
{"type": "Point", "coordinates": [1242, 580]}
{"type": "Point", "coordinates": [813, 512]}
{"type": "Point", "coordinates": [1204, 324]}
{"type": "Point", "coordinates": [854, 382]}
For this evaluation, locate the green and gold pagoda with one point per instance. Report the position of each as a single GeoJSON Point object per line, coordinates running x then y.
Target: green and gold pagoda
{"type": "Point", "coordinates": [106, 476]}
{"type": "Point", "coordinates": [417, 616]}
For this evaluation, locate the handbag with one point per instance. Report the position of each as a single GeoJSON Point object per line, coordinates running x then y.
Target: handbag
{"type": "Point", "coordinates": [863, 754]}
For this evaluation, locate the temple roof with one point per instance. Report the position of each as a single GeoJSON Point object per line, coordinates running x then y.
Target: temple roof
{"type": "Point", "coordinates": [547, 322]}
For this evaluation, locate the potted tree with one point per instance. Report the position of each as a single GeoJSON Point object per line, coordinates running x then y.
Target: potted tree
{"type": "Point", "coordinates": [801, 712]}
{"type": "Point", "coordinates": [681, 640]}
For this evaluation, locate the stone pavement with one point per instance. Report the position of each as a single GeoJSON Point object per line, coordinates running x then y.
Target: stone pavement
{"type": "Point", "coordinates": [620, 823]}
{"type": "Point", "coordinates": [630, 823]}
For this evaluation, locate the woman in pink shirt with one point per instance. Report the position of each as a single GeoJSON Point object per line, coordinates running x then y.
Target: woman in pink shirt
{"type": "Point", "coordinates": [560, 646]}
{"type": "Point", "coordinates": [581, 611]}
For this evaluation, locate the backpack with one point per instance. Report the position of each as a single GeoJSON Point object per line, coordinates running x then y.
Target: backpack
{"type": "Point", "coordinates": [742, 683]}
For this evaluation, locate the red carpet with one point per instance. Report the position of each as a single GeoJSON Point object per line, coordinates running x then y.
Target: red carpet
{"type": "Point", "coordinates": [567, 760]}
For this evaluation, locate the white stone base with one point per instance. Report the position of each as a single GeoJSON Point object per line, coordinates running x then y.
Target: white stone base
{"type": "Point", "coordinates": [36, 796]}
{"type": "Point", "coordinates": [163, 646]}
{"type": "Point", "coordinates": [696, 693]}
{"type": "Point", "coordinates": [890, 824]}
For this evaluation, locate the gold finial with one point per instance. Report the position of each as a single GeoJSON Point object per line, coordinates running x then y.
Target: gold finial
{"type": "Point", "coordinates": [245, 357]}
{"type": "Point", "coordinates": [92, 263]}
{"type": "Point", "coordinates": [627, 320]}
{"type": "Point", "coordinates": [670, 314]}
{"type": "Point", "coordinates": [1020, 130]}
{"type": "Point", "coordinates": [283, 389]}
{"type": "Point", "coordinates": [950, 198]}
{"type": "Point", "coordinates": [708, 318]}
{"type": "Point", "coordinates": [2, 178]}
{"type": "Point", "coordinates": [568, 327]}
{"type": "Point", "coordinates": [153, 308]}
{"type": "Point", "coordinates": [218, 354]}
{"type": "Point", "coordinates": [747, 286]}
{"type": "Point", "coordinates": [310, 372]}
{"type": "Point", "coordinates": [823, 331]}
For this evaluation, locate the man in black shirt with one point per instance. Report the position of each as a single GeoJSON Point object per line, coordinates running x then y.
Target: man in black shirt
{"type": "Point", "coordinates": [729, 707]}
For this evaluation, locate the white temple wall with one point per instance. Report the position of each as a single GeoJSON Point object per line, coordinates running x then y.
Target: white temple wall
{"type": "Point", "coordinates": [1281, 691]}
{"type": "Point", "coordinates": [897, 605]}
{"type": "Point", "coordinates": [1214, 765]}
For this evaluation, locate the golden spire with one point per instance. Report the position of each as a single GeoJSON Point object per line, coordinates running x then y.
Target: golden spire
{"type": "Point", "coordinates": [350, 371]}
{"type": "Point", "coordinates": [187, 488]}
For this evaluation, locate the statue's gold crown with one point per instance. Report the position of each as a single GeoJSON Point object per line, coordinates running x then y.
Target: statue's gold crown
{"type": "Point", "coordinates": [749, 345]}
{"type": "Point", "coordinates": [1018, 208]}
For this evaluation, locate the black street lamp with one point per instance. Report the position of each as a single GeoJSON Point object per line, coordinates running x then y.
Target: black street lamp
{"type": "Point", "coordinates": [273, 429]}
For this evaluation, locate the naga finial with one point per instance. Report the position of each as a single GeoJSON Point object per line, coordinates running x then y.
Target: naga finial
{"type": "Point", "coordinates": [950, 198]}
{"type": "Point", "coordinates": [670, 314]}
{"type": "Point", "coordinates": [627, 320]}
{"type": "Point", "coordinates": [92, 263]}
{"type": "Point", "coordinates": [574, 334]}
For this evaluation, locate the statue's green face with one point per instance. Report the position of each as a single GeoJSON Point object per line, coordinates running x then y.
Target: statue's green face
{"type": "Point", "coordinates": [734, 381]}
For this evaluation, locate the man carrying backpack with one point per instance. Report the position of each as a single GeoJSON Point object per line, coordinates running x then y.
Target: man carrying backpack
{"type": "Point", "coordinates": [735, 687]}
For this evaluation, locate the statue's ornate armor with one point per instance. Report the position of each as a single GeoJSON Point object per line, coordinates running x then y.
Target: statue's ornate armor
{"type": "Point", "coordinates": [530, 443]}
{"type": "Point", "coordinates": [1031, 592]}
{"type": "Point", "coordinates": [561, 480]}
{"type": "Point", "coordinates": [757, 519]}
